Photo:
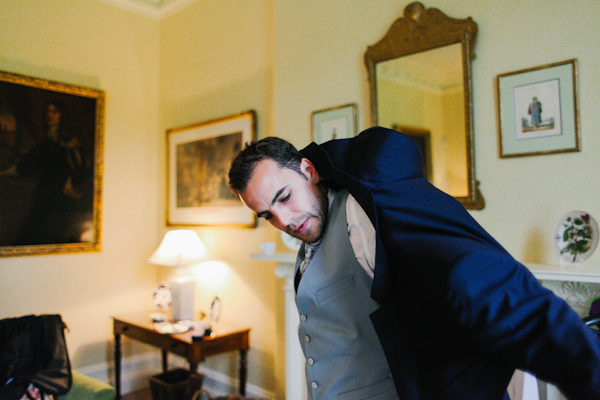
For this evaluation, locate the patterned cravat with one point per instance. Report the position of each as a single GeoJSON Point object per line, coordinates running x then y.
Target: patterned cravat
{"type": "Point", "coordinates": [309, 252]}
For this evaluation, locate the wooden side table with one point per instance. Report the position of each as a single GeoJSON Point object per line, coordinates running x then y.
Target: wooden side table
{"type": "Point", "coordinates": [226, 337]}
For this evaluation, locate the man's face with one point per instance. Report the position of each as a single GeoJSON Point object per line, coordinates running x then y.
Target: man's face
{"type": "Point", "coordinates": [291, 202]}
{"type": "Point", "coordinates": [52, 115]}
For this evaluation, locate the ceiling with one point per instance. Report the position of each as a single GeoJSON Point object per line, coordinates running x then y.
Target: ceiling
{"type": "Point", "coordinates": [151, 8]}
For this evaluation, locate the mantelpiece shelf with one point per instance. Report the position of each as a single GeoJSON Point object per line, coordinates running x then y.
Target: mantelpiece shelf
{"type": "Point", "coordinates": [566, 272]}
{"type": "Point", "coordinates": [287, 258]}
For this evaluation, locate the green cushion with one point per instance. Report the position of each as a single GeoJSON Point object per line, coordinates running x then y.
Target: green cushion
{"type": "Point", "coordinates": [86, 388]}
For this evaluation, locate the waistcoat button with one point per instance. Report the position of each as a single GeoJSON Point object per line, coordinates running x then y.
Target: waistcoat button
{"type": "Point", "coordinates": [307, 338]}
{"type": "Point", "coordinates": [310, 361]}
{"type": "Point", "coordinates": [302, 317]}
{"type": "Point", "coordinates": [314, 385]}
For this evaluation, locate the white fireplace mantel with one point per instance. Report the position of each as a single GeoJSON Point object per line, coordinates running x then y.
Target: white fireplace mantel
{"type": "Point", "coordinates": [295, 386]}
{"type": "Point", "coordinates": [581, 272]}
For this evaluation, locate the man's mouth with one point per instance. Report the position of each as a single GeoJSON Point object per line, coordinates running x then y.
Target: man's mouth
{"type": "Point", "coordinates": [300, 228]}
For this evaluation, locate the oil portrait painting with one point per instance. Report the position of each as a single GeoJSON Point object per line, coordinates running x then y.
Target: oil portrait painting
{"type": "Point", "coordinates": [50, 165]}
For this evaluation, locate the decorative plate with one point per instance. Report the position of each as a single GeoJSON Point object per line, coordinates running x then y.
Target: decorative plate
{"type": "Point", "coordinates": [575, 236]}
{"type": "Point", "coordinates": [291, 242]}
{"type": "Point", "coordinates": [161, 296]}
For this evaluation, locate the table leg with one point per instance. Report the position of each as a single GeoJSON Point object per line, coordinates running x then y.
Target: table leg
{"type": "Point", "coordinates": [165, 360]}
{"type": "Point", "coordinates": [243, 371]}
{"type": "Point", "coordinates": [195, 381]}
{"type": "Point", "coordinates": [118, 365]}
{"type": "Point", "coordinates": [194, 367]}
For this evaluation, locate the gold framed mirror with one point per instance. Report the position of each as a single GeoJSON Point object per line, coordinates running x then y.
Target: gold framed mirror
{"type": "Point", "coordinates": [420, 81]}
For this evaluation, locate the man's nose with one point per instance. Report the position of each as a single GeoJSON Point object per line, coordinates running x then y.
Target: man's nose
{"type": "Point", "coordinates": [283, 217]}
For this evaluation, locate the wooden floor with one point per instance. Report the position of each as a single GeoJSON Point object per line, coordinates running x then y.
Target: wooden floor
{"type": "Point", "coordinates": [143, 394]}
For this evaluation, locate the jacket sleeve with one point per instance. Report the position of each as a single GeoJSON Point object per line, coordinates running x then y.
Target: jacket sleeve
{"type": "Point", "coordinates": [511, 317]}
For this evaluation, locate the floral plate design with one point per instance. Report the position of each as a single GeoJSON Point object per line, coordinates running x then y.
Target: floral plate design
{"type": "Point", "coordinates": [575, 236]}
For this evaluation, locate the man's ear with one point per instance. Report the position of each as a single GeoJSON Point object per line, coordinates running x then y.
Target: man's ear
{"type": "Point", "coordinates": [309, 170]}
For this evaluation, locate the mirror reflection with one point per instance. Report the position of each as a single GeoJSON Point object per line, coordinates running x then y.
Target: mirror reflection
{"type": "Point", "coordinates": [420, 84]}
{"type": "Point", "coordinates": [422, 96]}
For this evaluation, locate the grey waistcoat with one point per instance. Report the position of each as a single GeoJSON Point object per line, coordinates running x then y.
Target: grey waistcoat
{"type": "Point", "coordinates": [344, 359]}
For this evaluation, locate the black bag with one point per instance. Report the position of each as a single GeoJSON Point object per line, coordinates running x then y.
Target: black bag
{"type": "Point", "coordinates": [33, 350]}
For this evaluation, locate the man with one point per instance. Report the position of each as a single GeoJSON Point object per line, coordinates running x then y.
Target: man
{"type": "Point", "coordinates": [401, 294]}
{"type": "Point", "coordinates": [535, 110]}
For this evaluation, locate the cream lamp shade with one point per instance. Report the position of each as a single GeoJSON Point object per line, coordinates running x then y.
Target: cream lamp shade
{"type": "Point", "coordinates": [180, 248]}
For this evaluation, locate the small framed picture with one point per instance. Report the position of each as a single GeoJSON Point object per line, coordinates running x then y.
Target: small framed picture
{"type": "Point", "coordinates": [198, 164]}
{"type": "Point", "coordinates": [334, 123]}
{"type": "Point", "coordinates": [537, 110]}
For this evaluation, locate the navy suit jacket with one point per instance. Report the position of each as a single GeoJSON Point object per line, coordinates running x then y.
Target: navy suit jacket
{"type": "Point", "coordinates": [458, 314]}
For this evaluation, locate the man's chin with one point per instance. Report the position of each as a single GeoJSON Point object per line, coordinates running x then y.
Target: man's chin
{"type": "Point", "coordinates": [307, 238]}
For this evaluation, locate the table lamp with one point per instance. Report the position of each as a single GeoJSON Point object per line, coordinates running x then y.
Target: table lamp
{"type": "Point", "coordinates": [180, 248]}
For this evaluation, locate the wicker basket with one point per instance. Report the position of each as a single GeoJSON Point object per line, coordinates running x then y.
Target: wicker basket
{"type": "Point", "coordinates": [177, 384]}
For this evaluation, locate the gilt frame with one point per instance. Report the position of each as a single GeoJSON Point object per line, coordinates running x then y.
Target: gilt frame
{"type": "Point", "coordinates": [47, 208]}
{"type": "Point", "coordinates": [198, 160]}
{"type": "Point", "coordinates": [537, 110]}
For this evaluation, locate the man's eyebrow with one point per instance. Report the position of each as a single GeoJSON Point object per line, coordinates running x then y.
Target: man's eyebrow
{"type": "Point", "coordinates": [278, 194]}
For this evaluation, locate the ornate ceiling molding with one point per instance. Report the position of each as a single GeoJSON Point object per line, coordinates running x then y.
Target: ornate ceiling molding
{"type": "Point", "coordinates": [156, 9]}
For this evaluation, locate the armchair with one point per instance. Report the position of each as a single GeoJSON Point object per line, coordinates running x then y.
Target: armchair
{"type": "Point", "coordinates": [33, 351]}
{"type": "Point", "coordinates": [86, 388]}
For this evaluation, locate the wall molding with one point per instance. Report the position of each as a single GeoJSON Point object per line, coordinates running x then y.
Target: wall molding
{"type": "Point", "coordinates": [151, 8]}
{"type": "Point", "coordinates": [136, 370]}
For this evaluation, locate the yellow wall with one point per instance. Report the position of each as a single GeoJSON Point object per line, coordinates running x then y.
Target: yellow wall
{"type": "Point", "coordinates": [216, 61]}
{"type": "Point", "coordinates": [319, 47]}
{"type": "Point", "coordinates": [284, 59]}
{"type": "Point", "coordinates": [92, 44]}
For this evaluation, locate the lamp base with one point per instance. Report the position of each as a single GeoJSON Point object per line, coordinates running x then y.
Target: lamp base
{"type": "Point", "coordinates": [182, 298]}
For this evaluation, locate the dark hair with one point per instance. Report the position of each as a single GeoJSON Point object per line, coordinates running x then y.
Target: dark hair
{"type": "Point", "coordinates": [274, 148]}
{"type": "Point", "coordinates": [65, 130]}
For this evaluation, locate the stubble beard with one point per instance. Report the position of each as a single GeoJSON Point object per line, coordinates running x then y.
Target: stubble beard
{"type": "Point", "coordinates": [318, 214]}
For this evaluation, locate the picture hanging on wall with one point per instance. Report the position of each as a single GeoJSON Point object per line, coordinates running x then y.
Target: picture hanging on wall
{"type": "Point", "coordinates": [51, 143]}
{"type": "Point", "coordinates": [334, 123]}
{"type": "Point", "coordinates": [198, 163]}
{"type": "Point", "coordinates": [537, 110]}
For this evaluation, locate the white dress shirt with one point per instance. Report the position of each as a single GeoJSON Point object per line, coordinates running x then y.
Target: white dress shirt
{"type": "Point", "coordinates": [362, 235]}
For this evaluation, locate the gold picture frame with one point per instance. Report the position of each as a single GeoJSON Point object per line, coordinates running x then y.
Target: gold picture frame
{"type": "Point", "coordinates": [51, 149]}
{"type": "Point", "coordinates": [198, 163]}
{"type": "Point", "coordinates": [538, 111]}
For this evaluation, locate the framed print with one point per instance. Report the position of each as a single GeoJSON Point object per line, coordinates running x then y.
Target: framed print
{"type": "Point", "coordinates": [198, 162]}
{"type": "Point", "coordinates": [51, 142]}
{"type": "Point", "coordinates": [537, 110]}
{"type": "Point", "coordinates": [334, 123]}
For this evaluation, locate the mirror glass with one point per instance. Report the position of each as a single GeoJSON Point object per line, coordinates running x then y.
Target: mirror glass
{"type": "Point", "coordinates": [420, 84]}
{"type": "Point", "coordinates": [422, 96]}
